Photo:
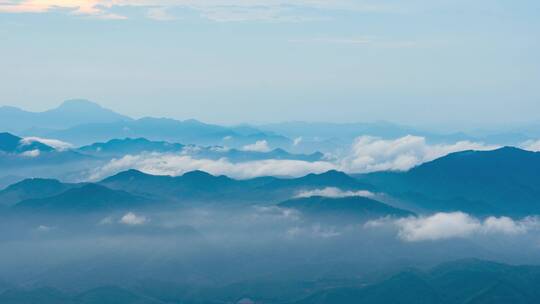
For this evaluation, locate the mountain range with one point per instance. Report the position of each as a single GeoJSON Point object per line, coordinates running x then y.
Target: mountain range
{"type": "Point", "coordinates": [201, 186]}
{"type": "Point", "coordinates": [82, 122]}
{"type": "Point", "coordinates": [482, 183]}
{"type": "Point", "coordinates": [134, 189]}
{"type": "Point", "coordinates": [32, 157]}
{"type": "Point", "coordinates": [122, 147]}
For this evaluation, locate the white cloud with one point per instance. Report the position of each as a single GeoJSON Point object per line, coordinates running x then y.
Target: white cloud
{"type": "Point", "coordinates": [297, 141]}
{"type": "Point", "coordinates": [55, 143]}
{"type": "Point", "coordinates": [132, 219]}
{"type": "Point", "coordinates": [441, 226]}
{"type": "Point", "coordinates": [531, 145]}
{"type": "Point", "coordinates": [369, 154]}
{"type": "Point", "coordinates": [31, 153]}
{"type": "Point", "coordinates": [178, 164]}
{"type": "Point", "coordinates": [506, 225]}
{"type": "Point", "coordinates": [94, 8]}
{"type": "Point", "coordinates": [438, 226]}
{"type": "Point", "coordinates": [259, 146]}
{"type": "Point", "coordinates": [334, 193]}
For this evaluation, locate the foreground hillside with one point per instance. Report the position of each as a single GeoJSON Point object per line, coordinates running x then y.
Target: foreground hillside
{"type": "Point", "coordinates": [459, 282]}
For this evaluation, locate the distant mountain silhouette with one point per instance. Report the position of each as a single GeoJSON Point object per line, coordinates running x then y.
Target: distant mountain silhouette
{"type": "Point", "coordinates": [342, 208]}
{"type": "Point", "coordinates": [89, 197]}
{"type": "Point", "coordinates": [10, 143]}
{"type": "Point", "coordinates": [236, 155]}
{"type": "Point", "coordinates": [503, 181]}
{"type": "Point", "coordinates": [83, 122]}
{"type": "Point", "coordinates": [159, 129]}
{"type": "Point", "coordinates": [68, 114]}
{"type": "Point", "coordinates": [313, 132]}
{"type": "Point", "coordinates": [121, 147]}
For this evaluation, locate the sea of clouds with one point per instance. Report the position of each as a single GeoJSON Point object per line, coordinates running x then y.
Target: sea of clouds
{"type": "Point", "coordinates": [366, 154]}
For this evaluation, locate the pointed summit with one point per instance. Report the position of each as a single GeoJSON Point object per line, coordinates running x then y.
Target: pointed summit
{"type": "Point", "coordinates": [78, 104]}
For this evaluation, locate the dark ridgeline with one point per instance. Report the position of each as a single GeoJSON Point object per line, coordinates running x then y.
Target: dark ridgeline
{"type": "Point", "coordinates": [500, 182]}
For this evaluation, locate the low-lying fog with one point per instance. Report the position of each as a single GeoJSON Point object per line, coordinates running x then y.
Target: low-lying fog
{"type": "Point", "coordinates": [213, 246]}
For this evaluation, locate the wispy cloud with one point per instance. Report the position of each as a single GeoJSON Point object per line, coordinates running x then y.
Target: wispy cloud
{"type": "Point", "coordinates": [333, 192]}
{"type": "Point", "coordinates": [132, 219]}
{"type": "Point", "coordinates": [259, 146]}
{"type": "Point", "coordinates": [217, 10]}
{"type": "Point", "coordinates": [55, 143]}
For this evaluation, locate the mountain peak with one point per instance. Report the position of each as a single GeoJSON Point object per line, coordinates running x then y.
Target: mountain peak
{"type": "Point", "coordinates": [128, 174]}
{"type": "Point", "coordinates": [79, 104]}
{"type": "Point", "coordinates": [197, 174]}
{"type": "Point", "coordinates": [510, 149]}
{"type": "Point", "coordinates": [334, 174]}
{"type": "Point", "coordinates": [33, 182]}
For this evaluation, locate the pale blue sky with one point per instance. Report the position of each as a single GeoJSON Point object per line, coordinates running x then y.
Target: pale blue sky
{"type": "Point", "coordinates": [229, 61]}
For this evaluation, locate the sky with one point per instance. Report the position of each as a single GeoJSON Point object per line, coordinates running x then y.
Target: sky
{"type": "Point", "coordinates": [436, 62]}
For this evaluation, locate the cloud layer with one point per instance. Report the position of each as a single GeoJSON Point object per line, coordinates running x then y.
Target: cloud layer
{"type": "Point", "coordinates": [368, 154]}
{"type": "Point", "coordinates": [531, 145]}
{"type": "Point", "coordinates": [177, 164]}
